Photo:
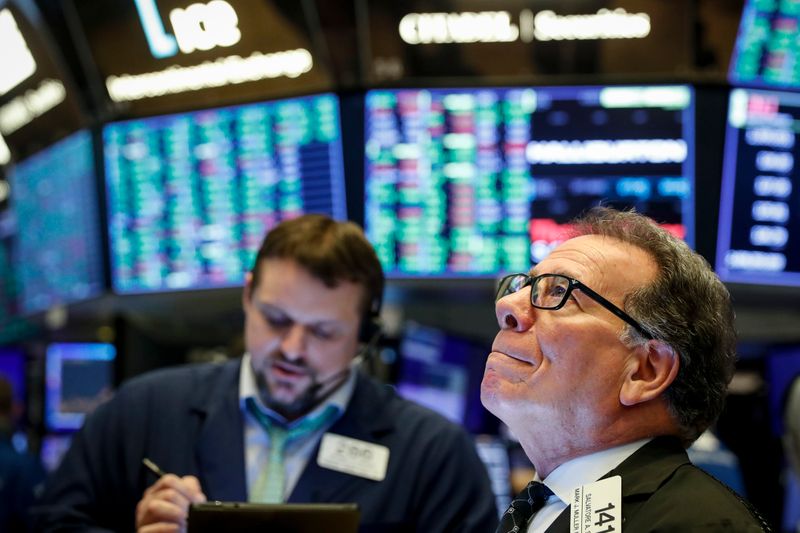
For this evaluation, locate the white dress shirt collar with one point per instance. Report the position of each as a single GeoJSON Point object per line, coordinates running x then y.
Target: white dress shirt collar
{"type": "Point", "coordinates": [574, 473]}
{"type": "Point", "coordinates": [586, 469]}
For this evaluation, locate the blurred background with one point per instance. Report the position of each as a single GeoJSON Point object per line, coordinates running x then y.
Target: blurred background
{"type": "Point", "coordinates": [146, 146]}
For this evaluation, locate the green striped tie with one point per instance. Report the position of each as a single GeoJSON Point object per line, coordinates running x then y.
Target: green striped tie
{"type": "Point", "coordinates": [269, 486]}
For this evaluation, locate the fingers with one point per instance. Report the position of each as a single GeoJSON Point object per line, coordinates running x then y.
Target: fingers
{"type": "Point", "coordinates": [165, 505]}
{"type": "Point", "coordinates": [188, 486]}
{"type": "Point", "coordinates": [195, 491]}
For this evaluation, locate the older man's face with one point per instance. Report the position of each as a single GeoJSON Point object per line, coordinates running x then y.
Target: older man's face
{"type": "Point", "coordinates": [562, 370]}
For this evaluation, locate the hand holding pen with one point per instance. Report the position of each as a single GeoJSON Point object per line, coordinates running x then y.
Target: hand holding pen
{"type": "Point", "coordinates": [165, 505]}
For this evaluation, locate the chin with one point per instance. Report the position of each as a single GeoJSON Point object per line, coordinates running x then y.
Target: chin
{"type": "Point", "coordinates": [287, 398]}
{"type": "Point", "coordinates": [489, 396]}
{"type": "Point", "coordinates": [491, 384]}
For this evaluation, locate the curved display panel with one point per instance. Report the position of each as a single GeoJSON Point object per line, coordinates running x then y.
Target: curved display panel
{"type": "Point", "coordinates": [474, 182]}
{"type": "Point", "coordinates": [766, 53]}
{"type": "Point", "coordinates": [58, 255]}
{"type": "Point", "coordinates": [190, 196]}
{"type": "Point", "coordinates": [759, 225]}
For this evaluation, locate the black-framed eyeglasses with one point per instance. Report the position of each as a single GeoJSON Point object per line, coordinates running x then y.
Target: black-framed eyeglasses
{"type": "Point", "coordinates": [551, 291]}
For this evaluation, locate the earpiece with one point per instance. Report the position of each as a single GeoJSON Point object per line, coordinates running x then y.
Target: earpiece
{"type": "Point", "coordinates": [370, 329]}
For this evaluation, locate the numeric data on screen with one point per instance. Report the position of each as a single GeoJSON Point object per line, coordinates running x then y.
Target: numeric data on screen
{"type": "Point", "coordinates": [767, 51]}
{"type": "Point", "coordinates": [759, 229]}
{"type": "Point", "coordinates": [447, 181]}
{"type": "Point", "coordinates": [191, 196]}
{"type": "Point", "coordinates": [475, 182]}
{"type": "Point", "coordinates": [58, 253]}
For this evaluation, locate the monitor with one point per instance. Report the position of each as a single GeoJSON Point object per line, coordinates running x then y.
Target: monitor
{"type": "Point", "coordinates": [8, 278]}
{"type": "Point", "coordinates": [78, 378]}
{"type": "Point", "coordinates": [474, 182]}
{"type": "Point", "coordinates": [759, 223]}
{"type": "Point", "coordinates": [443, 372]}
{"type": "Point", "coordinates": [493, 451]}
{"type": "Point", "coordinates": [58, 255]}
{"type": "Point", "coordinates": [190, 196]}
{"type": "Point", "coordinates": [782, 369]}
{"type": "Point", "coordinates": [765, 54]}
{"type": "Point", "coordinates": [13, 369]}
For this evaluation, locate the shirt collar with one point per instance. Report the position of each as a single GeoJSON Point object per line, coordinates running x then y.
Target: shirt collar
{"type": "Point", "coordinates": [339, 399]}
{"type": "Point", "coordinates": [586, 469]}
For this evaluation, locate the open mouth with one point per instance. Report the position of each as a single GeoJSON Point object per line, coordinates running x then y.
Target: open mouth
{"type": "Point", "coordinates": [288, 372]}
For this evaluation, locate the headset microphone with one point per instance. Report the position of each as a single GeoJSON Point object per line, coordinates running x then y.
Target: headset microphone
{"type": "Point", "coordinates": [369, 335]}
{"type": "Point", "coordinates": [363, 356]}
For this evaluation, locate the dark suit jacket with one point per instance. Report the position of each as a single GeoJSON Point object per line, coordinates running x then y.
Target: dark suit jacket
{"type": "Point", "coordinates": [662, 491]}
{"type": "Point", "coordinates": [188, 421]}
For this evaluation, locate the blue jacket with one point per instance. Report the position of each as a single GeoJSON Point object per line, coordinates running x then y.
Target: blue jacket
{"type": "Point", "coordinates": [188, 421]}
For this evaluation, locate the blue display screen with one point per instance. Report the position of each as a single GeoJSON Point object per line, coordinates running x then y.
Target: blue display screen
{"type": "Point", "coordinates": [12, 368]}
{"type": "Point", "coordinates": [766, 52]}
{"type": "Point", "coordinates": [759, 227]}
{"type": "Point", "coordinates": [78, 378]}
{"type": "Point", "coordinates": [8, 277]}
{"type": "Point", "coordinates": [443, 372]}
{"type": "Point", "coordinates": [58, 255]}
{"type": "Point", "coordinates": [474, 182]}
{"type": "Point", "coordinates": [190, 196]}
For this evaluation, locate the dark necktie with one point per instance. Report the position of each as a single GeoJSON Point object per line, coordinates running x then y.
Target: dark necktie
{"type": "Point", "coordinates": [523, 507]}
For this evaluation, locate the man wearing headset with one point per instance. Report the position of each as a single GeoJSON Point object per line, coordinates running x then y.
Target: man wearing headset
{"type": "Point", "coordinates": [310, 302]}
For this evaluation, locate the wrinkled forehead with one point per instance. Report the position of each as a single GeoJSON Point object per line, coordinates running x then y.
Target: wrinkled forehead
{"type": "Point", "coordinates": [602, 263]}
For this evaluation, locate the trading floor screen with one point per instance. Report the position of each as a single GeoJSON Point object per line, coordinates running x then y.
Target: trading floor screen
{"type": "Point", "coordinates": [190, 196]}
{"type": "Point", "coordinates": [58, 255]}
{"type": "Point", "coordinates": [759, 226]}
{"type": "Point", "coordinates": [473, 182]}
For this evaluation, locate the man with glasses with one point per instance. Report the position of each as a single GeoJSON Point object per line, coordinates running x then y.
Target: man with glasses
{"type": "Point", "coordinates": [293, 420]}
{"type": "Point", "coordinates": [614, 354]}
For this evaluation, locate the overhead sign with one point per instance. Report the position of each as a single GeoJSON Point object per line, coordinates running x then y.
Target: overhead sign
{"type": "Point", "coordinates": [514, 38]}
{"type": "Point", "coordinates": [196, 27]}
{"type": "Point", "coordinates": [16, 63]}
{"type": "Point", "coordinates": [37, 102]}
{"type": "Point", "coordinates": [5, 153]}
{"type": "Point", "coordinates": [181, 54]}
{"type": "Point", "coordinates": [497, 26]}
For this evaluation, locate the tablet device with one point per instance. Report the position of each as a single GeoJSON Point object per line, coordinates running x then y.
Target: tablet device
{"type": "Point", "coordinates": [213, 517]}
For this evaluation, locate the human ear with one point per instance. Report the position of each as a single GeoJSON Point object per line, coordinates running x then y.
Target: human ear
{"type": "Point", "coordinates": [651, 370]}
{"type": "Point", "coordinates": [247, 291]}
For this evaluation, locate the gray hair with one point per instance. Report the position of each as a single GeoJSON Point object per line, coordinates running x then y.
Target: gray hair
{"type": "Point", "coordinates": [686, 306]}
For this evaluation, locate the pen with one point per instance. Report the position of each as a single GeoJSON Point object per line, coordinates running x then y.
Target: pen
{"type": "Point", "coordinates": [154, 468]}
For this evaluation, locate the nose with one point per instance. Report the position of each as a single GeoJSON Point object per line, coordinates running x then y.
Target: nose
{"type": "Point", "coordinates": [515, 311]}
{"type": "Point", "coordinates": [293, 343]}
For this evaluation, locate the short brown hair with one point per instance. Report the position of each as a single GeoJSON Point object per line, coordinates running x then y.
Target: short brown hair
{"type": "Point", "coordinates": [686, 306]}
{"type": "Point", "coordinates": [329, 250]}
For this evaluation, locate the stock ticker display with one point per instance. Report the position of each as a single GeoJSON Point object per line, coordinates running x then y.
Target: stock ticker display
{"type": "Point", "coordinates": [190, 196]}
{"type": "Point", "coordinates": [767, 51]}
{"type": "Point", "coordinates": [472, 182]}
{"type": "Point", "coordinates": [759, 226]}
{"type": "Point", "coordinates": [58, 255]}
{"type": "Point", "coordinates": [8, 278]}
